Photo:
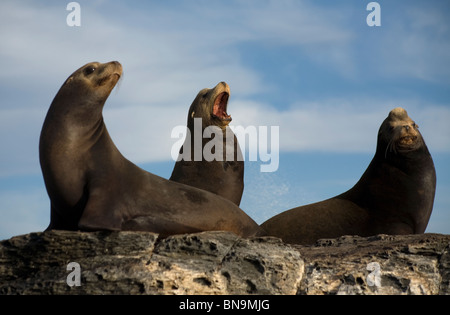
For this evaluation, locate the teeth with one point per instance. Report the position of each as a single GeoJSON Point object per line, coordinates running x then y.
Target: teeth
{"type": "Point", "coordinates": [407, 139]}
{"type": "Point", "coordinates": [223, 117]}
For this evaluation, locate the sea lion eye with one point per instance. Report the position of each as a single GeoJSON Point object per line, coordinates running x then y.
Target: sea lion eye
{"type": "Point", "coordinates": [89, 70]}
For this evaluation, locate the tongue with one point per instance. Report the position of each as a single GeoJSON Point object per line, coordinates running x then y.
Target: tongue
{"type": "Point", "coordinates": [220, 105]}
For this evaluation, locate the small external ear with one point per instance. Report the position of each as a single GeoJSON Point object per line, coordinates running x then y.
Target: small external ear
{"type": "Point", "coordinates": [193, 114]}
{"type": "Point", "coordinates": [68, 80]}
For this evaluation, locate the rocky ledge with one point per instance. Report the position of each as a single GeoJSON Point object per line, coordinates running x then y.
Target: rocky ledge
{"type": "Point", "coordinates": [61, 262]}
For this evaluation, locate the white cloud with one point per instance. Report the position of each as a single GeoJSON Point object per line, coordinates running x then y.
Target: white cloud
{"type": "Point", "coordinates": [342, 126]}
{"type": "Point", "coordinates": [163, 54]}
{"type": "Point", "coordinates": [167, 61]}
{"type": "Point", "coordinates": [19, 138]}
{"type": "Point", "coordinates": [143, 133]}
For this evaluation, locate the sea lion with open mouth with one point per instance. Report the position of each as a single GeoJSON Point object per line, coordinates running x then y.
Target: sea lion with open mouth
{"type": "Point", "coordinates": [223, 175]}
{"type": "Point", "coordinates": [395, 195]}
{"type": "Point", "coordinates": [92, 186]}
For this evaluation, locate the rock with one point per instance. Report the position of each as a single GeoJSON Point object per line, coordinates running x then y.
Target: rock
{"type": "Point", "coordinates": [139, 263]}
{"type": "Point", "coordinates": [410, 264]}
{"type": "Point", "coordinates": [222, 263]}
{"type": "Point", "coordinates": [36, 263]}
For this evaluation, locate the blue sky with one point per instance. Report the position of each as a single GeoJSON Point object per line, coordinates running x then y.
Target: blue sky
{"type": "Point", "coordinates": [313, 68]}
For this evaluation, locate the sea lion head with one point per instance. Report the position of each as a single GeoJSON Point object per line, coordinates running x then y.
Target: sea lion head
{"type": "Point", "coordinates": [399, 134]}
{"type": "Point", "coordinates": [211, 106]}
{"type": "Point", "coordinates": [90, 84]}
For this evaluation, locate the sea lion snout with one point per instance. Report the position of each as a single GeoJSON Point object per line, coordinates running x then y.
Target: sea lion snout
{"type": "Point", "coordinates": [118, 70]}
{"type": "Point", "coordinates": [224, 86]}
{"type": "Point", "coordinates": [408, 134]}
{"type": "Point", "coordinates": [107, 74]}
{"type": "Point", "coordinates": [112, 68]}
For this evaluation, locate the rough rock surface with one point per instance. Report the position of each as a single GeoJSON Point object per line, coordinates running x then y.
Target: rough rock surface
{"type": "Point", "coordinates": [222, 263]}
{"type": "Point", "coordinates": [411, 264]}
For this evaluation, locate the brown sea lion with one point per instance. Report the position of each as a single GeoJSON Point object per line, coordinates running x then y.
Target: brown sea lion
{"type": "Point", "coordinates": [93, 187]}
{"type": "Point", "coordinates": [224, 175]}
{"type": "Point", "coordinates": [395, 195]}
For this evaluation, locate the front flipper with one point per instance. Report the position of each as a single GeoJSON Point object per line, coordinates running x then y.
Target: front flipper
{"type": "Point", "coordinates": [63, 219]}
{"type": "Point", "coordinates": [100, 215]}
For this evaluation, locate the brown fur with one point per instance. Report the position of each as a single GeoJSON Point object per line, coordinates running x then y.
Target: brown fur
{"type": "Point", "coordinates": [226, 177]}
{"type": "Point", "coordinates": [93, 187]}
{"type": "Point", "coordinates": [395, 195]}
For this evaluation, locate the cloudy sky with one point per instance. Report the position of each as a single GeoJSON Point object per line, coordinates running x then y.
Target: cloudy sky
{"type": "Point", "coordinates": [313, 68]}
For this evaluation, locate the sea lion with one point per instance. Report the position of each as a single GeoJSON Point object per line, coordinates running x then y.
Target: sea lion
{"type": "Point", "coordinates": [395, 195]}
{"type": "Point", "coordinates": [93, 187]}
{"type": "Point", "coordinates": [223, 176]}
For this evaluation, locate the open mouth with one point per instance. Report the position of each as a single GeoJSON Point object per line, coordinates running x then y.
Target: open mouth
{"type": "Point", "coordinates": [407, 140]}
{"type": "Point", "coordinates": [220, 107]}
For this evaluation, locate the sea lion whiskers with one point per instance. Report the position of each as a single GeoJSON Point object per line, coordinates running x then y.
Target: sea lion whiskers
{"type": "Point", "coordinates": [389, 148]}
{"type": "Point", "coordinates": [119, 80]}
